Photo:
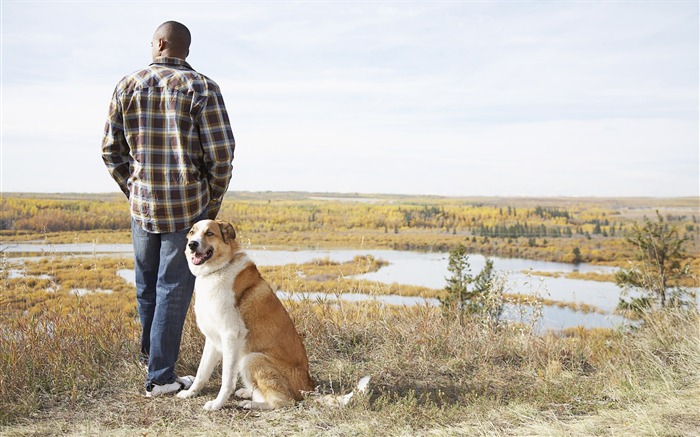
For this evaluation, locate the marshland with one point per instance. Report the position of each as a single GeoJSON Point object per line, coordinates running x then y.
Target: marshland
{"type": "Point", "coordinates": [69, 331]}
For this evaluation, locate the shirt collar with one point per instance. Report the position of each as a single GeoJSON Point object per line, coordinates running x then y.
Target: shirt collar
{"type": "Point", "coordinates": [164, 60]}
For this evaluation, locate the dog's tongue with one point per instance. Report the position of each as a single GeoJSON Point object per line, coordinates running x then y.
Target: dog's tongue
{"type": "Point", "coordinates": [199, 258]}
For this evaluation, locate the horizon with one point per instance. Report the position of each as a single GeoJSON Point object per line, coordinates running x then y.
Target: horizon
{"type": "Point", "coordinates": [453, 99]}
{"type": "Point", "coordinates": [357, 195]}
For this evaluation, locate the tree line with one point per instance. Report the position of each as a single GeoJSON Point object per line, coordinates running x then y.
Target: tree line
{"type": "Point", "coordinates": [251, 215]}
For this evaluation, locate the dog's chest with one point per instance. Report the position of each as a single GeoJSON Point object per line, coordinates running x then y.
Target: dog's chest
{"type": "Point", "coordinates": [215, 307]}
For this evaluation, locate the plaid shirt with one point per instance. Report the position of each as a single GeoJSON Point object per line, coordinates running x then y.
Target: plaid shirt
{"type": "Point", "coordinates": [168, 144]}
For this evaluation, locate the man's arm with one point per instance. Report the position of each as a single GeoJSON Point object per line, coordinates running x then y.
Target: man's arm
{"type": "Point", "coordinates": [115, 149]}
{"type": "Point", "coordinates": [218, 144]}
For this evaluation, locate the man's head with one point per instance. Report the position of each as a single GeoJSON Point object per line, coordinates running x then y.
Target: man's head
{"type": "Point", "coordinates": [171, 39]}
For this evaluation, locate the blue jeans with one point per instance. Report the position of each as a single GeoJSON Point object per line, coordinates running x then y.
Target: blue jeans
{"type": "Point", "coordinates": [164, 287]}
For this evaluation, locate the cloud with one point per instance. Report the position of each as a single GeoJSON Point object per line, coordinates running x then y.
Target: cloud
{"type": "Point", "coordinates": [525, 98]}
{"type": "Point", "coordinates": [558, 158]}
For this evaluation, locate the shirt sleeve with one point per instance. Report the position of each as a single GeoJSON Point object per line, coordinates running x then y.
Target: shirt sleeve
{"type": "Point", "coordinates": [218, 145]}
{"type": "Point", "coordinates": [115, 149]}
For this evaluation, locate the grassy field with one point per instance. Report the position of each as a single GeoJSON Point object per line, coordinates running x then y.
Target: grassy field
{"type": "Point", "coordinates": [431, 375]}
{"type": "Point", "coordinates": [68, 361]}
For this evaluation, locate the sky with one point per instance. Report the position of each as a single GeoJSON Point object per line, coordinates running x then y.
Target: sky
{"type": "Point", "coordinates": [453, 98]}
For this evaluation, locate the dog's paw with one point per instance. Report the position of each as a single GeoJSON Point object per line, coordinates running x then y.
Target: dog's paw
{"type": "Point", "coordinates": [246, 405]}
{"type": "Point", "coordinates": [213, 405]}
{"type": "Point", "coordinates": [184, 394]}
{"type": "Point", "coordinates": [244, 393]}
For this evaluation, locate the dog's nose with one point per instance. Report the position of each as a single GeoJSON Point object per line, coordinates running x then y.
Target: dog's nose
{"type": "Point", "coordinates": [193, 245]}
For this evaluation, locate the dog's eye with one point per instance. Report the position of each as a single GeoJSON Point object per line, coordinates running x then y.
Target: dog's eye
{"type": "Point", "coordinates": [209, 234]}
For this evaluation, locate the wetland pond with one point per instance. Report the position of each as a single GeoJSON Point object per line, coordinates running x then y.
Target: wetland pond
{"type": "Point", "coordinates": [423, 269]}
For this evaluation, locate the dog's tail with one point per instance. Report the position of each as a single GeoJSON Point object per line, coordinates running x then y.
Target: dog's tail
{"type": "Point", "coordinates": [343, 400]}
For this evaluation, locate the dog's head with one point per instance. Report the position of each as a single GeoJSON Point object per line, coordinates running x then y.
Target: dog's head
{"type": "Point", "coordinates": [210, 245]}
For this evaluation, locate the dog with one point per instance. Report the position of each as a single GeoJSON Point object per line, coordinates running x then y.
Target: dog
{"type": "Point", "coordinates": [244, 324]}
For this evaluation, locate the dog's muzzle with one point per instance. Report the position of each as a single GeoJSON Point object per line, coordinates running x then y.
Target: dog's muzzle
{"type": "Point", "coordinates": [199, 257]}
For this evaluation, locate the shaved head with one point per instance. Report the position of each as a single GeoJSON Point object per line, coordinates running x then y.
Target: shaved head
{"type": "Point", "coordinates": [172, 39]}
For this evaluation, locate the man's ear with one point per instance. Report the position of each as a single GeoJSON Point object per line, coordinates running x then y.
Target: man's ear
{"type": "Point", "coordinates": [160, 45]}
{"type": "Point", "coordinates": [226, 230]}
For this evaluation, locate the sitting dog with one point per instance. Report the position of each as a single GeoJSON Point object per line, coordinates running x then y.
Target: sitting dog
{"type": "Point", "coordinates": [244, 324]}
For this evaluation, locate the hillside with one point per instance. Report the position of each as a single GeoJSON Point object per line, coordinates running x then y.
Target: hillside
{"type": "Point", "coordinates": [69, 366]}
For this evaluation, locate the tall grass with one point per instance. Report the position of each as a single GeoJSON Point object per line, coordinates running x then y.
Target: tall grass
{"type": "Point", "coordinates": [61, 356]}
{"type": "Point", "coordinates": [430, 373]}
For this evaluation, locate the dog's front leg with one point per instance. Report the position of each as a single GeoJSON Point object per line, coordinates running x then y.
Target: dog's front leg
{"type": "Point", "coordinates": [229, 372]}
{"type": "Point", "coordinates": [210, 358]}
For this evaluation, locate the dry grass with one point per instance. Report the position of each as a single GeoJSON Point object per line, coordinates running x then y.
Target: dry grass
{"type": "Point", "coordinates": [68, 364]}
{"type": "Point", "coordinates": [431, 374]}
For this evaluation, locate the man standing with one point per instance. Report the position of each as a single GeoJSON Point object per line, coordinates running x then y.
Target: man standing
{"type": "Point", "coordinates": [168, 144]}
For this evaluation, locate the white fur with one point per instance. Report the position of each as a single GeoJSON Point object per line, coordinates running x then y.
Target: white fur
{"type": "Point", "coordinates": [220, 320]}
{"type": "Point", "coordinates": [221, 323]}
{"type": "Point", "coordinates": [215, 264]}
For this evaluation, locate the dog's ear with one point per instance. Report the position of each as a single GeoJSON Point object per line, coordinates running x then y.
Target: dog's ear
{"type": "Point", "coordinates": [226, 230]}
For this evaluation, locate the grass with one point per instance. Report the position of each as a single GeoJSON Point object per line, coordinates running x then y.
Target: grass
{"type": "Point", "coordinates": [331, 277]}
{"type": "Point", "coordinates": [586, 276]}
{"type": "Point", "coordinates": [68, 365]}
{"type": "Point", "coordinates": [52, 282]}
{"type": "Point", "coordinates": [76, 373]}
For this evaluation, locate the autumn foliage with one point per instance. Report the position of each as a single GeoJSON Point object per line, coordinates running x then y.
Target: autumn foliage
{"type": "Point", "coordinates": [566, 230]}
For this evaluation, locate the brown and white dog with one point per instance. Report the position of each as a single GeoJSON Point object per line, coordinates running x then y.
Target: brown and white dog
{"type": "Point", "coordinates": [245, 325]}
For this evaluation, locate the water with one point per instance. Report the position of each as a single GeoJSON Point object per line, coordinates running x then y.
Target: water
{"type": "Point", "coordinates": [423, 269]}
{"type": "Point", "coordinates": [15, 249]}
{"type": "Point", "coordinates": [430, 270]}
{"type": "Point", "coordinates": [553, 317]}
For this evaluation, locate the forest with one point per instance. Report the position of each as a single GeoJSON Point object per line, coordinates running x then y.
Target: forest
{"type": "Point", "coordinates": [568, 230]}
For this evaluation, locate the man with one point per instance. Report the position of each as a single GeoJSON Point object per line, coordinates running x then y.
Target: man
{"type": "Point", "coordinates": [168, 144]}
